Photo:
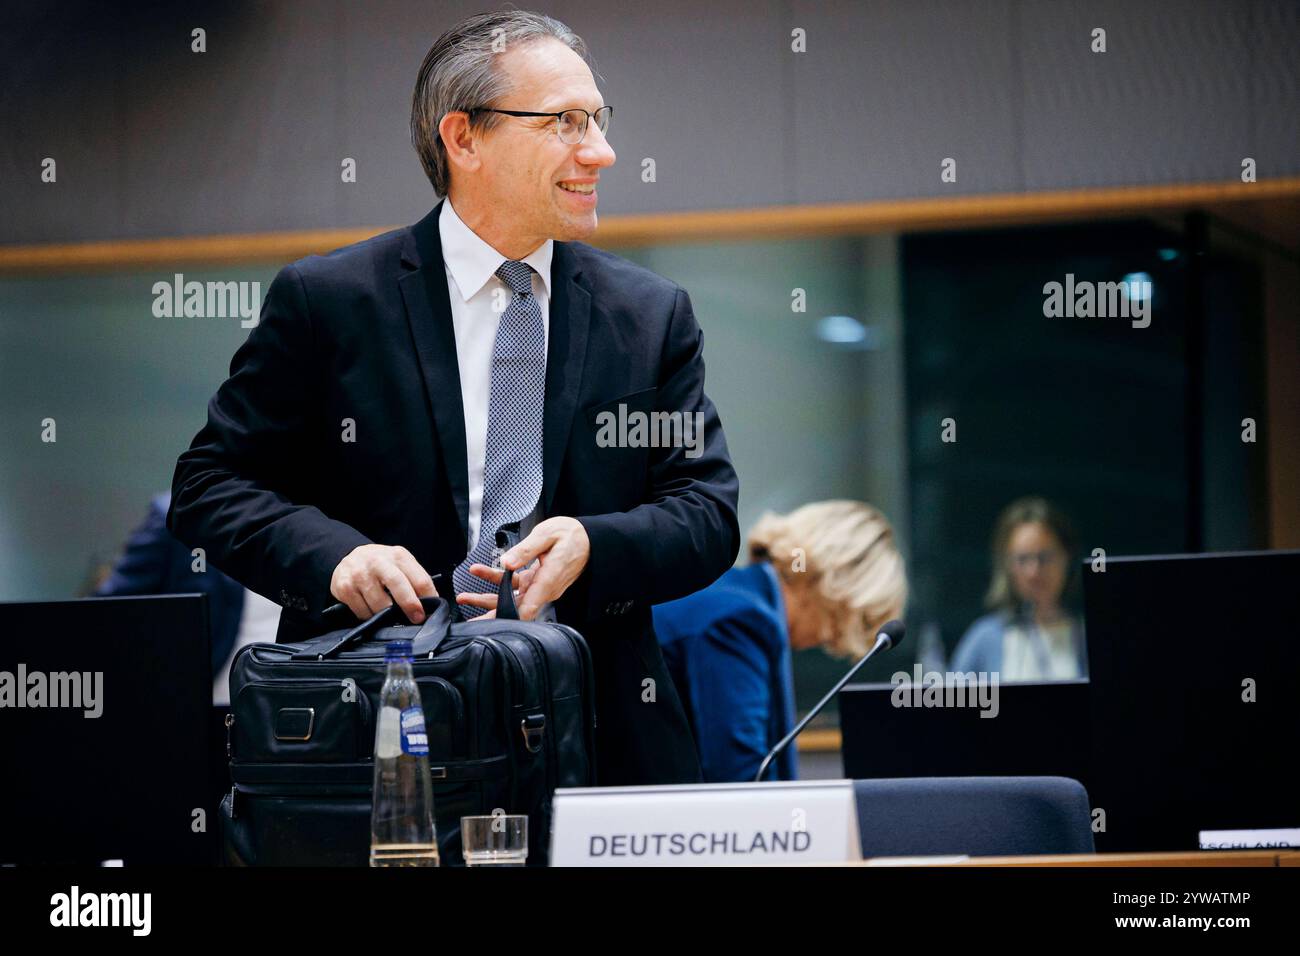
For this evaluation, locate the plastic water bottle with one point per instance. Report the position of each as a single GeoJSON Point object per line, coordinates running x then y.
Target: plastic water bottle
{"type": "Point", "coordinates": [401, 816]}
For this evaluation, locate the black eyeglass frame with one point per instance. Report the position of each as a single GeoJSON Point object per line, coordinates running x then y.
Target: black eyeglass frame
{"type": "Point", "coordinates": [609, 117]}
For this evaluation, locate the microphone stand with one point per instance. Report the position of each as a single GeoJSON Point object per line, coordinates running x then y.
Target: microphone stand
{"type": "Point", "coordinates": [883, 642]}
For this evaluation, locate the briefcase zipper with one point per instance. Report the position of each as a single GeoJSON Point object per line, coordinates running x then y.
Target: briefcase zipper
{"type": "Point", "coordinates": [287, 777]}
{"type": "Point", "coordinates": [276, 654]}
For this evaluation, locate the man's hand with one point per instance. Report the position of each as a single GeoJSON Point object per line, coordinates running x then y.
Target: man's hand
{"type": "Point", "coordinates": [561, 548]}
{"type": "Point", "coordinates": [374, 576]}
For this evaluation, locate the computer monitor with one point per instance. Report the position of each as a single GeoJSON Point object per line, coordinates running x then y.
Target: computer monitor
{"type": "Point", "coordinates": [105, 731]}
{"type": "Point", "coordinates": [1195, 669]}
{"type": "Point", "coordinates": [1037, 729]}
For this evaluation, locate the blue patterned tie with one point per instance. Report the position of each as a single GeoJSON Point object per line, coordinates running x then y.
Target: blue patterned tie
{"type": "Point", "coordinates": [512, 467]}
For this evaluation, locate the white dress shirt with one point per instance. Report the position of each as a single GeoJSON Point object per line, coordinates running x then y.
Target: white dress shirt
{"type": "Point", "coordinates": [1040, 653]}
{"type": "Point", "coordinates": [476, 294]}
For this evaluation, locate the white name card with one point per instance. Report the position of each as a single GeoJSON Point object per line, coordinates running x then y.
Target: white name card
{"type": "Point", "coordinates": [710, 824]}
{"type": "Point", "coordinates": [1249, 839]}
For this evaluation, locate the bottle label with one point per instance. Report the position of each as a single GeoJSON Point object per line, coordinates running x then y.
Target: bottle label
{"type": "Point", "coordinates": [414, 739]}
{"type": "Point", "coordinates": [388, 738]}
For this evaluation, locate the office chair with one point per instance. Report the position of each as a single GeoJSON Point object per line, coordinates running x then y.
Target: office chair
{"type": "Point", "coordinates": [977, 816]}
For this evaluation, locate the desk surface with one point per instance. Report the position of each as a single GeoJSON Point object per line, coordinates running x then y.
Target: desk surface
{"type": "Point", "coordinates": [819, 740]}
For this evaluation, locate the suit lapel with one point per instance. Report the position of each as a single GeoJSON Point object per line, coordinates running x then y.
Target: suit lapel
{"type": "Point", "coordinates": [423, 282]}
{"type": "Point", "coordinates": [566, 352]}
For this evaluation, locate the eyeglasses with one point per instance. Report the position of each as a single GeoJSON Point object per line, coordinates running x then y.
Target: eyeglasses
{"type": "Point", "coordinates": [570, 125]}
{"type": "Point", "coordinates": [1046, 559]}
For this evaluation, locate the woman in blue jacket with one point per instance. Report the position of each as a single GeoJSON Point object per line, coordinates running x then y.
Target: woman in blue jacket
{"type": "Point", "coordinates": [826, 575]}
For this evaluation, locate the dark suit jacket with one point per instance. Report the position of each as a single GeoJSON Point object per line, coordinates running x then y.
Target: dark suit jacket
{"type": "Point", "coordinates": [278, 498]}
{"type": "Point", "coordinates": [154, 562]}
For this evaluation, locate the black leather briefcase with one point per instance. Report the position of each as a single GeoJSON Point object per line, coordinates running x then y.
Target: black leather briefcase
{"type": "Point", "coordinates": [509, 708]}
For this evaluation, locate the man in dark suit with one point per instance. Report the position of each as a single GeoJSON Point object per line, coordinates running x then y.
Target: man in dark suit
{"type": "Point", "coordinates": [402, 398]}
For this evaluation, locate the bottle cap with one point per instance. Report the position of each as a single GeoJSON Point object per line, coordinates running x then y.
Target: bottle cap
{"type": "Point", "coordinates": [399, 650]}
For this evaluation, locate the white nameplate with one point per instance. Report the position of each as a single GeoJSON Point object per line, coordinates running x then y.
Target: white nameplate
{"type": "Point", "coordinates": [1249, 839]}
{"type": "Point", "coordinates": [708, 824]}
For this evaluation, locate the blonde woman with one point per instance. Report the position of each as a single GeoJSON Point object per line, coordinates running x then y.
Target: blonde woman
{"type": "Point", "coordinates": [826, 575]}
{"type": "Point", "coordinates": [1028, 635]}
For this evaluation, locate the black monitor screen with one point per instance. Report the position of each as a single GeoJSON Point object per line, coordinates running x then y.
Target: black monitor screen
{"type": "Point", "coordinates": [1195, 667]}
{"type": "Point", "coordinates": [104, 727]}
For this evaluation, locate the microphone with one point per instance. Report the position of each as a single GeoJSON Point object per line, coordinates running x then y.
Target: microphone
{"type": "Point", "coordinates": [889, 635]}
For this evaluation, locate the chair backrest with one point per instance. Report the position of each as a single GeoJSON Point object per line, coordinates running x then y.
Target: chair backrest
{"type": "Point", "coordinates": [978, 816]}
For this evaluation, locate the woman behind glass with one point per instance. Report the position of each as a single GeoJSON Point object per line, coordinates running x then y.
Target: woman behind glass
{"type": "Point", "coordinates": [1029, 635]}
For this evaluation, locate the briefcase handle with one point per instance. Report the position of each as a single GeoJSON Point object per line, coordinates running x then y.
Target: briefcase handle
{"type": "Point", "coordinates": [338, 616]}
{"type": "Point", "coordinates": [507, 538]}
{"type": "Point", "coordinates": [436, 627]}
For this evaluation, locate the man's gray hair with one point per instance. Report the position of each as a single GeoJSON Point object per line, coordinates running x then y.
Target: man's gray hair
{"type": "Point", "coordinates": [461, 71]}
